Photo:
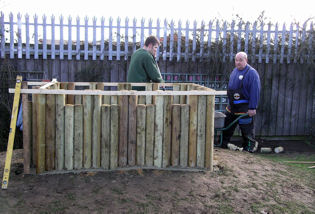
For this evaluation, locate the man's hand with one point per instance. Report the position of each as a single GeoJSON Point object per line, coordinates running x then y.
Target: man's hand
{"type": "Point", "coordinates": [251, 112]}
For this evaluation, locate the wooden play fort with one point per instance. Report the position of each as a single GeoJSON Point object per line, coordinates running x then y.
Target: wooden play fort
{"type": "Point", "coordinates": [82, 126]}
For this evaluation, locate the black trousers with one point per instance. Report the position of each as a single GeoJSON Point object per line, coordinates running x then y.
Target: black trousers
{"type": "Point", "coordinates": [247, 129]}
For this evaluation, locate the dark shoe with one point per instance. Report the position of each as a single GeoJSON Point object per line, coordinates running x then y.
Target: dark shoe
{"type": "Point", "coordinates": [252, 146]}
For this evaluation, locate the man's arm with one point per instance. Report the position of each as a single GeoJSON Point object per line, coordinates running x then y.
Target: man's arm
{"type": "Point", "coordinates": [254, 94]}
{"type": "Point", "coordinates": [153, 70]}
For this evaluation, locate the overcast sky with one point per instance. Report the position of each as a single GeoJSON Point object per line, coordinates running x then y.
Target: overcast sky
{"type": "Point", "coordinates": [275, 10]}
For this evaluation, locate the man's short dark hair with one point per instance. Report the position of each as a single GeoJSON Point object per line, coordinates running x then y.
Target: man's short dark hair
{"type": "Point", "coordinates": [151, 40]}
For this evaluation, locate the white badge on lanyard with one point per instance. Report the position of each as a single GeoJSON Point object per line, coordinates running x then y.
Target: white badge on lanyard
{"type": "Point", "coordinates": [240, 77]}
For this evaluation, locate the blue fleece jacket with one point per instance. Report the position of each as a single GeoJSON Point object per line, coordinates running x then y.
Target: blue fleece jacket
{"type": "Point", "coordinates": [251, 84]}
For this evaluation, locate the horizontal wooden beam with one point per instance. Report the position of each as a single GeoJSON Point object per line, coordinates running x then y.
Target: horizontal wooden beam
{"type": "Point", "coordinates": [108, 84]}
{"type": "Point", "coordinates": [112, 93]}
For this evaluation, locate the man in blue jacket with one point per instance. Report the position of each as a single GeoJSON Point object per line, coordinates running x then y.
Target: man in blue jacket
{"type": "Point", "coordinates": [243, 94]}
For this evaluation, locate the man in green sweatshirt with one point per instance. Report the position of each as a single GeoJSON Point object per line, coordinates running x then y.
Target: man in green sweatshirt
{"type": "Point", "coordinates": [143, 67]}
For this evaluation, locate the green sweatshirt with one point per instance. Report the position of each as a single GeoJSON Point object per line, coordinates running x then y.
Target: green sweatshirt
{"type": "Point", "coordinates": [143, 68]}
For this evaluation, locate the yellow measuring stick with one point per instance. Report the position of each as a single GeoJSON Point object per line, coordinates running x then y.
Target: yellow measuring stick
{"type": "Point", "coordinates": [15, 109]}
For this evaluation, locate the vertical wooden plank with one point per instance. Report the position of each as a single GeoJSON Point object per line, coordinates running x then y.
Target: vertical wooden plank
{"type": "Point", "coordinates": [40, 164]}
{"type": "Point", "coordinates": [11, 36]}
{"type": "Point", "coordinates": [184, 137]}
{"type": "Point", "coordinates": [303, 84]}
{"type": "Point", "coordinates": [176, 109]}
{"type": "Point", "coordinates": [201, 131]}
{"type": "Point", "coordinates": [87, 130]}
{"type": "Point", "coordinates": [34, 128]}
{"type": "Point", "coordinates": [27, 123]}
{"type": "Point", "coordinates": [289, 83]}
{"type": "Point", "coordinates": [193, 102]}
{"type": "Point", "coordinates": [78, 136]}
{"type": "Point", "coordinates": [183, 97]}
{"type": "Point", "coordinates": [167, 131]}
{"type": "Point", "coordinates": [297, 35]}
{"type": "Point", "coordinates": [69, 133]}
{"type": "Point", "coordinates": [274, 96]}
{"type": "Point", "coordinates": [158, 131]}
{"type": "Point", "coordinates": [202, 40]}
{"type": "Point", "coordinates": [96, 132]}
{"type": "Point", "coordinates": [149, 138]}
{"type": "Point", "coordinates": [176, 99]}
{"type": "Point", "coordinates": [209, 132]}
{"type": "Point", "coordinates": [114, 138]}
{"type": "Point", "coordinates": [132, 130]}
{"type": "Point", "coordinates": [281, 99]}
{"type": "Point", "coordinates": [148, 98]}
{"type": "Point", "coordinates": [70, 98]}
{"type": "Point", "coordinates": [302, 52]}
{"type": "Point", "coordinates": [60, 137]}
{"type": "Point", "coordinates": [141, 119]}
{"type": "Point", "coordinates": [123, 130]}
{"type": "Point", "coordinates": [50, 131]}
{"type": "Point", "coordinates": [105, 140]}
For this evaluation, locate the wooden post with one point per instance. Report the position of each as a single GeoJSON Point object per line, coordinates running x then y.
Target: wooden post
{"type": "Point", "coordinates": [71, 98]}
{"type": "Point", "coordinates": [184, 135]}
{"type": "Point", "coordinates": [176, 99]}
{"type": "Point", "coordinates": [87, 131]}
{"type": "Point", "coordinates": [27, 123]}
{"type": "Point", "coordinates": [201, 131]}
{"type": "Point", "coordinates": [209, 132]}
{"type": "Point", "coordinates": [69, 127]}
{"type": "Point", "coordinates": [167, 131]}
{"type": "Point", "coordinates": [132, 130]}
{"type": "Point", "coordinates": [123, 130]}
{"type": "Point", "coordinates": [40, 165]}
{"type": "Point", "coordinates": [96, 132]}
{"type": "Point", "coordinates": [148, 98]}
{"type": "Point", "coordinates": [60, 135]}
{"type": "Point", "coordinates": [193, 102]}
{"type": "Point", "coordinates": [176, 109]}
{"type": "Point", "coordinates": [183, 97]}
{"type": "Point", "coordinates": [158, 130]}
{"type": "Point", "coordinates": [114, 138]}
{"type": "Point", "coordinates": [149, 138]}
{"type": "Point", "coordinates": [105, 140]}
{"type": "Point", "coordinates": [78, 136]}
{"type": "Point", "coordinates": [77, 99]}
{"type": "Point", "coordinates": [50, 131]}
{"type": "Point", "coordinates": [34, 128]}
{"type": "Point", "coordinates": [140, 134]}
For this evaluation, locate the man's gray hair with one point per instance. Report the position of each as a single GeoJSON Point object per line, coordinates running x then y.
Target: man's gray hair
{"type": "Point", "coordinates": [243, 54]}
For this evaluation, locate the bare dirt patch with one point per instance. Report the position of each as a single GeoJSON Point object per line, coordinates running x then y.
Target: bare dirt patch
{"type": "Point", "coordinates": [241, 183]}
